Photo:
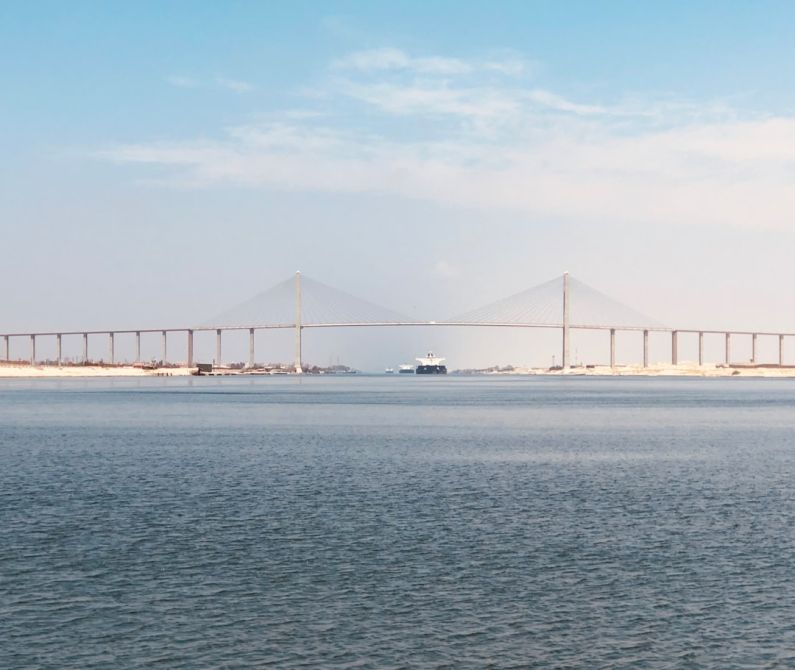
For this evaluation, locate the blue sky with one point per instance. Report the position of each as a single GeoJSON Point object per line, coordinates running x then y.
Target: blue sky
{"type": "Point", "coordinates": [103, 66]}
{"type": "Point", "coordinates": [643, 146]}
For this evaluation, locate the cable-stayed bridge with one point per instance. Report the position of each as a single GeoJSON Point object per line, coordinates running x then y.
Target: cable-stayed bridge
{"type": "Point", "coordinates": [300, 302]}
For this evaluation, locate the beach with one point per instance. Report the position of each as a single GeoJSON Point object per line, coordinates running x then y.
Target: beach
{"type": "Point", "coordinates": [684, 369]}
{"type": "Point", "coordinates": [24, 370]}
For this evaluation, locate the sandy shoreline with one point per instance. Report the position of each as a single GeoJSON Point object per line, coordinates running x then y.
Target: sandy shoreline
{"type": "Point", "coordinates": [686, 369]}
{"type": "Point", "coordinates": [12, 370]}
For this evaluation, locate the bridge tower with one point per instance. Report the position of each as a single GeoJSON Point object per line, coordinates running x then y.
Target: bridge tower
{"type": "Point", "coordinates": [298, 325]}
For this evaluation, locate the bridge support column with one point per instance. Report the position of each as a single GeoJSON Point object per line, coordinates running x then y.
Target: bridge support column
{"type": "Point", "coordinates": [612, 347]}
{"type": "Point", "coordinates": [58, 348]}
{"type": "Point", "coordinates": [32, 349]}
{"type": "Point", "coordinates": [111, 349]}
{"type": "Point", "coordinates": [298, 327]}
{"type": "Point", "coordinates": [165, 346]}
{"type": "Point", "coordinates": [753, 348]}
{"type": "Point", "coordinates": [728, 348]}
{"type": "Point", "coordinates": [645, 348]}
{"type": "Point", "coordinates": [190, 348]}
{"type": "Point", "coordinates": [299, 345]}
{"type": "Point", "coordinates": [7, 347]}
{"type": "Point", "coordinates": [701, 348]}
{"type": "Point", "coordinates": [674, 347]}
{"type": "Point", "coordinates": [137, 346]}
{"type": "Point", "coordinates": [218, 347]}
{"type": "Point", "coordinates": [780, 350]}
{"type": "Point", "coordinates": [565, 358]}
{"type": "Point", "coordinates": [251, 347]}
{"type": "Point", "coordinates": [85, 348]}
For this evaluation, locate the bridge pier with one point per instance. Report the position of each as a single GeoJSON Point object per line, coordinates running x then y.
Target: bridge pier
{"type": "Point", "coordinates": [85, 348]}
{"type": "Point", "coordinates": [190, 348]}
{"type": "Point", "coordinates": [218, 347]}
{"type": "Point", "coordinates": [165, 346]}
{"type": "Point", "coordinates": [7, 347]}
{"type": "Point", "coordinates": [780, 350]}
{"type": "Point", "coordinates": [138, 346]}
{"type": "Point", "coordinates": [33, 350]}
{"type": "Point", "coordinates": [645, 348]}
{"type": "Point", "coordinates": [251, 347]}
{"type": "Point", "coordinates": [612, 347]}
{"type": "Point", "coordinates": [728, 348]}
{"type": "Point", "coordinates": [111, 349]}
{"type": "Point", "coordinates": [701, 348]}
{"type": "Point", "coordinates": [58, 348]}
{"type": "Point", "coordinates": [674, 347]}
{"type": "Point", "coordinates": [753, 348]}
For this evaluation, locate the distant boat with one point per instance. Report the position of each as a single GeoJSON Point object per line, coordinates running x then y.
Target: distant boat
{"type": "Point", "coordinates": [406, 370]}
{"type": "Point", "coordinates": [431, 365]}
{"type": "Point", "coordinates": [390, 371]}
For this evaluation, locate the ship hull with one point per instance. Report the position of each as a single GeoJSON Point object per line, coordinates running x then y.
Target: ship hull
{"type": "Point", "coordinates": [431, 369]}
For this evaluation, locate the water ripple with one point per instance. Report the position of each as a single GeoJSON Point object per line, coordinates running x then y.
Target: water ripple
{"type": "Point", "coordinates": [344, 524]}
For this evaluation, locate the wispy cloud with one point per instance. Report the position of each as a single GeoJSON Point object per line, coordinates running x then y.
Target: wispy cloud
{"type": "Point", "coordinates": [504, 148]}
{"type": "Point", "coordinates": [737, 174]}
{"type": "Point", "coordinates": [394, 59]}
{"type": "Point", "coordinates": [556, 102]}
{"type": "Point", "coordinates": [236, 85]}
{"type": "Point", "coordinates": [441, 100]}
{"type": "Point", "coordinates": [379, 60]}
{"type": "Point", "coordinates": [473, 102]}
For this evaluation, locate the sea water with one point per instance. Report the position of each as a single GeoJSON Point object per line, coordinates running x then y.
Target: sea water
{"type": "Point", "coordinates": [397, 522]}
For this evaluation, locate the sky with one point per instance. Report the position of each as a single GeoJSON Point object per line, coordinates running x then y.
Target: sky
{"type": "Point", "coordinates": [161, 162]}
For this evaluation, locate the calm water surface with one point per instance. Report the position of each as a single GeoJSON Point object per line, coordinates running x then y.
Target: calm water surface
{"type": "Point", "coordinates": [393, 522]}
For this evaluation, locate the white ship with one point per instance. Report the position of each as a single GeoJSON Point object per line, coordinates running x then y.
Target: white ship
{"type": "Point", "coordinates": [406, 370]}
{"type": "Point", "coordinates": [431, 365]}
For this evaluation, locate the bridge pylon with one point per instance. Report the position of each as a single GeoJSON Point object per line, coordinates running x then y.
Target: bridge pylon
{"type": "Point", "coordinates": [298, 324]}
